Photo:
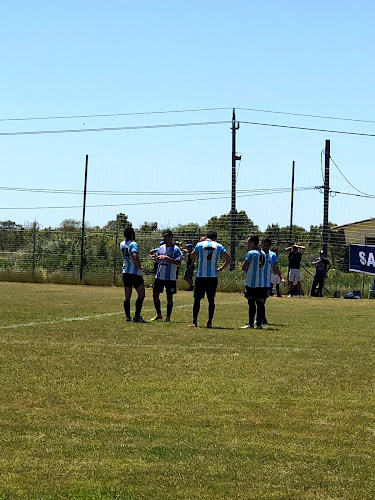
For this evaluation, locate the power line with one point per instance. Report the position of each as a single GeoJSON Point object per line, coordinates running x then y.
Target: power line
{"type": "Point", "coordinates": [111, 129]}
{"type": "Point", "coordinates": [308, 128]}
{"type": "Point", "coordinates": [347, 180]}
{"type": "Point", "coordinates": [144, 193]}
{"type": "Point", "coordinates": [307, 115]}
{"type": "Point", "coordinates": [354, 194]}
{"type": "Point", "coordinates": [257, 110]}
{"type": "Point", "coordinates": [109, 115]}
{"type": "Point", "coordinates": [258, 193]}
{"type": "Point", "coordinates": [173, 125]}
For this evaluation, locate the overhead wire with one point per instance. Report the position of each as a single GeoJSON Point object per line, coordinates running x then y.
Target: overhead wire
{"type": "Point", "coordinates": [347, 180]}
{"type": "Point", "coordinates": [307, 128]}
{"type": "Point", "coordinates": [260, 192]}
{"type": "Point", "coordinates": [192, 110]}
{"type": "Point", "coordinates": [112, 129]}
{"type": "Point", "coordinates": [324, 117]}
{"type": "Point", "coordinates": [143, 193]}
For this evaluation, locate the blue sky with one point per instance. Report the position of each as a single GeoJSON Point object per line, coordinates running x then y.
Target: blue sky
{"type": "Point", "coordinates": [66, 58]}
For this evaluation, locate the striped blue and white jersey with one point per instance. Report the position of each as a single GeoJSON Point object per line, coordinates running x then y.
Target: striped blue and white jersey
{"type": "Point", "coordinates": [208, 254]}
{"type": "Point", "coordinates": [127, 249]}
{"type": "Point", "coordinates": [258, 273]}
{"type": "Point", "coordinates": [167, 270]}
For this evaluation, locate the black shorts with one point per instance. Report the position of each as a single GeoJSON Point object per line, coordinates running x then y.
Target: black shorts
{"type": "Point", "coordinates": [131, 280]}
{"type": "Point", "coordinates": [256, 293]}
{"type": "Point", "coordinates": [169, 285]}
{"type": "Point", "coordinates": [205, 285]}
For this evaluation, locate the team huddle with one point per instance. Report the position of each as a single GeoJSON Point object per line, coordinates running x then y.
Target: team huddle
{"type": "Point", "coordinates": [259, 265]}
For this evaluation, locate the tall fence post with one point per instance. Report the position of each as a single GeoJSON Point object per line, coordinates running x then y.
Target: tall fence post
{"type": "Point", "coordinates": [291, 208]}
{"type": "Point", "coordinates": [115, 258]}
{"type": "Point", "coordinates": [83, 222]}
{"type": "Point", "coordinates": [34, 248]}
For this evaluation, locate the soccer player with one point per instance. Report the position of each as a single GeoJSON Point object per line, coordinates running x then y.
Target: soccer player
{"type": "Point", "coordinates": [273, 270]}
{"type": "Point", "coordinates": [132, 275]}
{"type": "Point", "coordinates": [208, 250]}
{"type": "Point", "coordinates": [257, 266]}
{"type": "Point", "coordinates": [168, 257]}
{"type": "Point", "coordinates": [295, 257]}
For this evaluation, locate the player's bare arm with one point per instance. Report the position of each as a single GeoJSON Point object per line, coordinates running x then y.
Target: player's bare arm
{"type": "Point", "coordinates": [228, 260]}
{"type": "Point", "coordinates": [137, 261]}
{"type": "Point", "coordinates": [193, 256]}
{"type": "Point", "coordinates": [277, 271]}
{"type": "Point", "coordinates": [177, 262]}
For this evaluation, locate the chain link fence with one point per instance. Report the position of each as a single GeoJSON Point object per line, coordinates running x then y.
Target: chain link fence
{"type": "Point", "coordinates": [55, 255]}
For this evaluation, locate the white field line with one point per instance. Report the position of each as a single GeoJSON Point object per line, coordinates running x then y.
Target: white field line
{"type": "Point", "coordinates": [94, 316]}
{"type": "Point", "coordinates": [170, 347]}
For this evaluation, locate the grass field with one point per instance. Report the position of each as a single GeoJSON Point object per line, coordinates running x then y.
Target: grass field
{"type": "Point", "coordinates": [96, 408]}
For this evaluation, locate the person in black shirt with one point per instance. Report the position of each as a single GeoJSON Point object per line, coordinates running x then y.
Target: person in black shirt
{"type": "Point", "coordinates": [295, 256]}
{"type": "Point", "coordinates": [322, 266]}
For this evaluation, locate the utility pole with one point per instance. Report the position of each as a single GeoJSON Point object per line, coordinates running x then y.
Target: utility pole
{"type": "Point", "coordinates": [83, 222]}
{"type": "Point", "coordinates": [291, 209]}
{"type": "Point", "coordinates": [327, 153]}
{"type": "Point", "coordinates": [233, 212]}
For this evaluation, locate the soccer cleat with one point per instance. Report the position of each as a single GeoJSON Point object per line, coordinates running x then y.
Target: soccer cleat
{"type": "Point", "coordinates": [247, 326]}
{"type": "Point", "coordinates": [167, 319]}
{"type": "Point", "coordinates": [139, 320]}
{"type": "Point", "coordinates": [128, 319]}
{"type": "Point", "coordinates": [209, 324]}
{"type": "Point", "coordinates": [194, 323]}
{"type": "Point", "coordinates": [259, 327]}
{"type": "Point", "coordinates": [290, 295]}
{"type": "Point", "coordinates": [279, 295]}
{"type": "Point", "coordinates": [157, 317]}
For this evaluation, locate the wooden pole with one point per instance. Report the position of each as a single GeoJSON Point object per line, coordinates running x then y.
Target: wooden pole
{"type": "Point", "coordinates": [326, 198]}
{"type": "Point", "coordinates": [291, 208]}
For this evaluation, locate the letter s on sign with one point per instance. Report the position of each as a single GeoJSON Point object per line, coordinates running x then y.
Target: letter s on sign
{"type": "Point", "coordinates": [362, 258]}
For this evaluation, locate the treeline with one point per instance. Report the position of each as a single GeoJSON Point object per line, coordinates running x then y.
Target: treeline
{"type": "Point", "coordinates": [47, 252]}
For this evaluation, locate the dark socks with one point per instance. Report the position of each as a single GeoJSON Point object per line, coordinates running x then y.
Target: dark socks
{"type": "Point", "coordinates": [157, 306]}
{"type": "Point", "coordinates": [211, 310]}
{"type": "Point", "coordinates": [261, 312]}
{"type": "Point", "coordinates": [252, 311]}
{"type": "Point", "coordinates": [169, 310]}
{"type": "Point", "coordinates": [138, 307]}
{"type": "Point", "coordinates": [127, 308]}
{"type": "Point", "coordinates": [196, 307]}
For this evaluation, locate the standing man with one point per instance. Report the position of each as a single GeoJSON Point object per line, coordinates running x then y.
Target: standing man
{"type": "Point", "coordinates": [257, 266]}
{"type": "Point", "coordinates": [322, 266]}
{"type": "Point", "coordinates": [273, 271]}
{"type": "Point", "coordinates": [206, 281]}
{"type": "Point", "coordinates": [189, 271]}
{"type": "Point", "coordinates": [132, 275]}
{"type": "Point", "coordinates": [168, 257]}
{"type": "Point", "coordinates": [295, 256]}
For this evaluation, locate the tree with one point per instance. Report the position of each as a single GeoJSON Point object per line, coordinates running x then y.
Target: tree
{"type": "Point", "coordinates": [120, 223]}
{"type": "Point", "coordinates": [148, 227]}
{"type": "Point", "coordinates": [70, 225]}
{"type": "Point", "coordinates": [273, 232]}
{"type": "Point", "coordinates": [244, 225]}
{"type": "Point", "coordinates": [9, 225]}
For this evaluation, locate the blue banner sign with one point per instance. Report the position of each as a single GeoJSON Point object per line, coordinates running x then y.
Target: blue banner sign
{"type": "Point", "coordinates": [362, 259]}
